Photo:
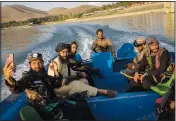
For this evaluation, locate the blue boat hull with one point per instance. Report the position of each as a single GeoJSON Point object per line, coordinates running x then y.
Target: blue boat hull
{"type": "Point", "coordinates": [125, 106]}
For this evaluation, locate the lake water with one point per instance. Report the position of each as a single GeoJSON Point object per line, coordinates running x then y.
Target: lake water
{"type": "Point", "coordinates": [45, 38]}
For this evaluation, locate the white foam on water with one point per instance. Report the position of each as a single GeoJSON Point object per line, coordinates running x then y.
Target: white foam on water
{"type": "Point", "coordinates": [83, 33]}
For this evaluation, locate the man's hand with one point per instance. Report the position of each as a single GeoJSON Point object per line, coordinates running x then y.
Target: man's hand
{"type": "Point", "coordinates": [97, 49]}
{"type": "Point", "coordinates": [136, 76]}
{"type": "Point", "coordinates": [53, 66]}
{"type": "Point", "coordinates": [83, 74]}
{"type": "Point", "coordinates": [133, 67]}
{"type": "Point", "coordinates": [8, 71]}
{"type": "Point", "coordinates": [134, 60]}
{"type": "Point", "coordinates": [63, 82]}
{"type": "Point", "coordinates": [141, 78]}
{"type": "Point", "coordinates": [113, 54]}
{"type": "Point", "coordinates": [32, 95]}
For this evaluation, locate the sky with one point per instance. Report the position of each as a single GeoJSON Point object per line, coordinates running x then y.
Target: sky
{"type": "Point", "coordinates": [49, 5]}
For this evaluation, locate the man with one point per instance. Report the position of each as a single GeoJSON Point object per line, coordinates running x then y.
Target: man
{"type": "Point", "coordinates": [102, 44]}
{"type": "Point", "coordinates": [73, 81]}
{"type": "Point", "coordinates": [73, 52]}
{"type": "Point", "coordinates": [155, 62]}
{"type": "Point", "coordinates": [36, 82]}
{"type": "Point", "coordinates": [40, 88]}
{"type": "Point", "coordinates": [76, 64]}
{"type": "Point", "coordinates": [140, 45]}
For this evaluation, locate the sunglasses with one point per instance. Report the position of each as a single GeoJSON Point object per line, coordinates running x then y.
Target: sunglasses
{"type": "Point", "coordinates": [138, 45]}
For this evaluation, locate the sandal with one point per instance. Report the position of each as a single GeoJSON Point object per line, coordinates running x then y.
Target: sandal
{"type": "Point", "coordinates": [111, 93]}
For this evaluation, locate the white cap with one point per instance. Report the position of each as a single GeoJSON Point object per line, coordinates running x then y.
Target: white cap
{"type": "Point", "coordinates": [140, 40]}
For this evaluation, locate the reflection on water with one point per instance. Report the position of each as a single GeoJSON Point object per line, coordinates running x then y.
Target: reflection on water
{"type": "Point", "coordinates": [169, 26]}
{"type": "Point", "coordinates": [15, 38]}
{"type": "Point", "coordinates": [156, 23]}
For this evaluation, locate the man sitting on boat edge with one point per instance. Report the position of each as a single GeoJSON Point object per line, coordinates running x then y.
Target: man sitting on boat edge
{"type": "Point", "coordinates": [103, 44]}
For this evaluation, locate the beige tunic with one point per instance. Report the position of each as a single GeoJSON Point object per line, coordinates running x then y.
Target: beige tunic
{"type": "Point", "coordinates": [74, 86]}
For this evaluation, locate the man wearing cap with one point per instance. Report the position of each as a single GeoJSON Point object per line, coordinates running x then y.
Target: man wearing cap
{"type": "Point", "coordinates": [155, 62]}
{"type": "Point", "coordinates": [102, 44]}
{"type": "Point", "coordinates": [38, 85]}
{"type": "Point", "coordinates": [73, 81]}
{"type": "Point", "coordinates": [140, 45]}
{"type": "Point", "coordinates": [41, 88]}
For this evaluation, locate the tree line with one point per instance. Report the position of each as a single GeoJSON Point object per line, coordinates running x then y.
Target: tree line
{"type": "Point", "coordinates": [110, 6]}
{"type": "Point", "coordinates": [38, 21]}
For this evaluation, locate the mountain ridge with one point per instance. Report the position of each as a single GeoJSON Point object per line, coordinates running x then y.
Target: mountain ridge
{"type": "Point", "coordinates": [21, 13]}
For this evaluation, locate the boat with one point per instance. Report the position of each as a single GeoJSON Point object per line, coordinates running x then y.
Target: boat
{"type": "Point", "coordinates": [125, 106]}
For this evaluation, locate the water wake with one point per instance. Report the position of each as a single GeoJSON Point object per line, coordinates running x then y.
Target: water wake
{"type": "Point", "coordinates": [84, 34]}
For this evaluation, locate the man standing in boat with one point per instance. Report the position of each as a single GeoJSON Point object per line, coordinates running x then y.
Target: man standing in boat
{"type": "Point", "coordinates": [103, 44]}
{"type": "Point", "coordinates": [155, 62]}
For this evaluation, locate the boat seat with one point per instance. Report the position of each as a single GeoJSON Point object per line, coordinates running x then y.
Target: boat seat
{"type": "Point", "coordinates": [103, 61]}
{"type": "Point", "coordinates": [29, 113]}
{"type": "Point", "coordinates": [126, 51]}
{"type": "Point", "coordinates": [162, 88]}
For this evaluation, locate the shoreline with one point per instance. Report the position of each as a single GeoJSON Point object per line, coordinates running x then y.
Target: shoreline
{"type": "Point", "coordinates": [136, 10]}
{"type": "Point", "coordinates": [120, 15]}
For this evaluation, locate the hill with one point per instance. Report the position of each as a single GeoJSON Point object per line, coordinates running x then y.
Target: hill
{"type": "Point", "coordinates": [57, 11]}
{"type": "Point", "coordinates": [75, 10]}
{"type": "Point", "coordinates": [20, 13]}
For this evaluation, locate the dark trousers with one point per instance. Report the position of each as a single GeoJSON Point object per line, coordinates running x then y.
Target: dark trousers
{"type": "Point", "coordinates": [148, 81]}
{"type": "Point", "coordinates": [79, 111]}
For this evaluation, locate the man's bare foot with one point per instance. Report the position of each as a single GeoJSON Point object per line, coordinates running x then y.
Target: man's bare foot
{"type": "Point", "coordinates": [110, 93]}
